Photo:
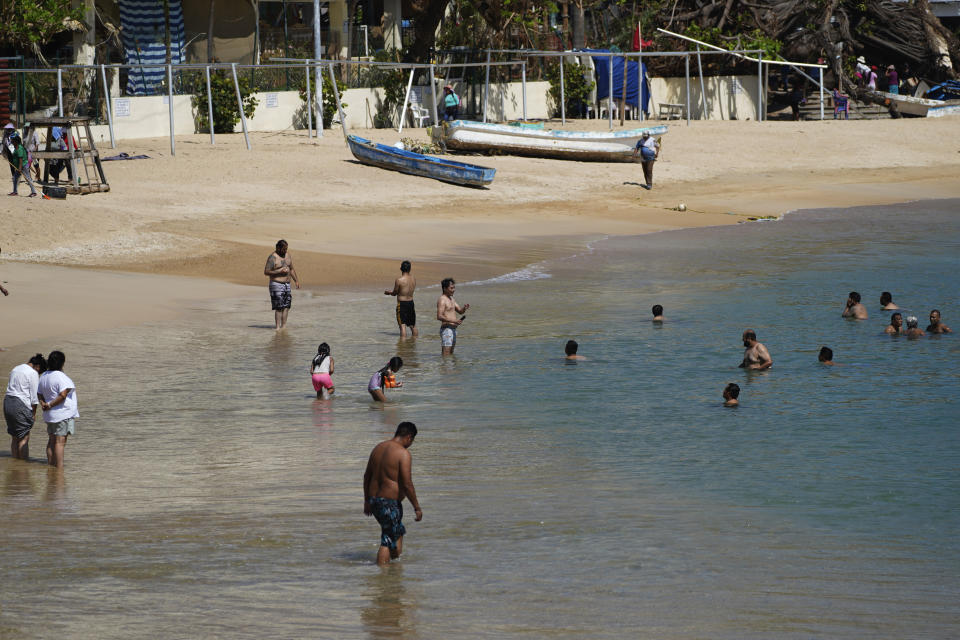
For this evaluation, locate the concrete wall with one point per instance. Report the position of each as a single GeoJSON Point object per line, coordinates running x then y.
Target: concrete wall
{"type": "Point", "coordinates": [727, 97]}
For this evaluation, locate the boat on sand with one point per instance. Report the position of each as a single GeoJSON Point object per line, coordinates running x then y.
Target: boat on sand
{"type": "Point", "coordinates": [418, 164]}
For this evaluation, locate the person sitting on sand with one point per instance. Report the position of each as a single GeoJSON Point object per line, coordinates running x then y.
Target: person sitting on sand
{"type": "Point", "coordinates": [755, 356]}
{"type": "Point", "coordinates": [853, 308]}
{"type": "Point", "coordinates": [657, 313]}
{"type": "Point", "coordinates": [935, 325]}
{"type": "Point", "coordinates": [886, 301]}
{"type": "Point", "coordinates": [385, 379]}
{"type": "Point", "coordinates": [731, 393]}
{"type": "Point", "coordinates": [895, 327]}
{"type": "Point", "coordinates": [320, 370]}
{"type": "Point", "coordinates": [913, 331]}
{"type": "Point", "coordinates": [826, 356]}
{"type": "Point", "coordinates": [571, 350]}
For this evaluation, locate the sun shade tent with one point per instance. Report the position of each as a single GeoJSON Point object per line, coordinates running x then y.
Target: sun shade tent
{"type": "Point", "coordinates": [602, 75]}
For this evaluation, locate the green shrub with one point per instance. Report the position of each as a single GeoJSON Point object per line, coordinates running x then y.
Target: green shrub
{"type": "Point", "coordinates": [576, 88]}
{"type": "Point", "coordinates": [329, 100]}
{"type": "Point", "coordinates": [226, 112]}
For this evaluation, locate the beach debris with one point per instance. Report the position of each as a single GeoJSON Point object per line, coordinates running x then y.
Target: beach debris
{"type": "Point", "coordinates": [681, 207]}
{"type": "Point", "coordinates": [762, 218]}
{"type": "Point", "coordinates": [418, 146]}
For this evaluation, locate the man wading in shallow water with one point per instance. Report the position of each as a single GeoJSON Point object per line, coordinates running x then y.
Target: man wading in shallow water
{"type": "Point", "coordinates": [386, 483]}
{"type": "Point", "coordinates": [280, 269]}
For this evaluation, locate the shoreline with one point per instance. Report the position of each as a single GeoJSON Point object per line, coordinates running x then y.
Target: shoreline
{"type": "Point", "coordinates": [350, 225]}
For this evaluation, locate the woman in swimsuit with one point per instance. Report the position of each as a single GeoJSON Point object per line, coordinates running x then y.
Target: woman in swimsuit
{"type": "Point", "coordinates": [320, 370]}
{"type": "Point", "coordinates": [385, 378]}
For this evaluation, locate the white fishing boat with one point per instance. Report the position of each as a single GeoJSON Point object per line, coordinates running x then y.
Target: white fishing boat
{"type": "Point", "coordinates": [597, 146]}
{"type": "Point", "coordinates": [921, 107]}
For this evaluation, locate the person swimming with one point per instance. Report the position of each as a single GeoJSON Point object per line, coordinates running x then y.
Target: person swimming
{"type": "Point", "coordinates": [731, 393]}
{"type": "Point", "coordinates": [384, 379]}
{"type": "Point", "coordinates": [571, 350]}
{"type": "Point", "coordinates": [913, 331]}
{"type": "Point", "coordinates": [320, 370]}
{"type": "Point", "coordinates": [826, 355]}
{"type": "Point", "coordinates": [657, 313]}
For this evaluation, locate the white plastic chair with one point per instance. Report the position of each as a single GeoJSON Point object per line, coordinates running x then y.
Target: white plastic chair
{"type": "Point", "coordinates": [419, 114]}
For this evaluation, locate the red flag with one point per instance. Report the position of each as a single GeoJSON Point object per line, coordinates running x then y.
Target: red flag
{"type": "Point", "coordinates": [637, 41]}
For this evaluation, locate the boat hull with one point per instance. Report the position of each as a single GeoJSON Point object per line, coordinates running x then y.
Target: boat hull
{"type": "Point", "coordinates": [591, 146]}
{"type": "Point", "coordinates": [417, 164]}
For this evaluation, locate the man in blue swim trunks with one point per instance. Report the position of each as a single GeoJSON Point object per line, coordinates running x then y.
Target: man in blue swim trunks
{"type": "Point", "coordinates": [386, 483]}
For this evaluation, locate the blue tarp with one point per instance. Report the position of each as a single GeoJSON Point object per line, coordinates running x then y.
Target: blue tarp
{"type": "Point", "coordinates": [602, 78]}
{"type": "Point", "coordinates": [143, 42]}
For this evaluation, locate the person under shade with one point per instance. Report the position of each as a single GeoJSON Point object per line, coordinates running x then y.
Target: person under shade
{"type": "Point", "coordinates": [935, 325]}
{"type": "Point", "coordinates": [914, 331]}
{"type": "Point", "coordinates": [886, 301]}
{"type": "Point", "coordinates": [571, 350]}
{"type": "Point", "coordinates": [657, 313]}
{"type": "Point", "coordinates": [895, 328]}
{"type": "Point", "coordinates": [826, 356]}
{"type": "Point", "coordinates": [731, 395]}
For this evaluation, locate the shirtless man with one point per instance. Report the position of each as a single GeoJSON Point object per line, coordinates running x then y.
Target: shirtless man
{"type": "Point", "coordinates": [571, 350]}
{"type": "Point", "coordinates": [854, 309]}
{"type": "Point", "coordinates": [935, 325]}
{"type": "Point", "coordinates": [895, 327]}
{"type": "Point", "coordinates": [731, 395]}
{"type": "Point", "coordinates": [403, 288]}
{"type": "Point", "coordinates": [386, 483]}
{"type": "Point", "coordinates": [826, 356]}
{"type": "Point", "coordinates": [657, 313]}
{"type": "Point", "coordinates": [755, 356]}
{"type": "Point", "coordinates": [913, 330]}
{"type": "Point", "coordinates": [280, 269]}
{"type": "Point", "coordinates": [447, 310]}
{"type": "Point", "coordinates": [886, 301]}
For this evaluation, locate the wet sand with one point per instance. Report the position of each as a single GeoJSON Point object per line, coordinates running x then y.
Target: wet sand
{"type": "Point", "coordinates": [214, 213]}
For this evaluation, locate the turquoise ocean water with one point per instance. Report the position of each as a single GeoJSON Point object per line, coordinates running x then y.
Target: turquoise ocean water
{"type": "Point", "coordinates": [208, 494]}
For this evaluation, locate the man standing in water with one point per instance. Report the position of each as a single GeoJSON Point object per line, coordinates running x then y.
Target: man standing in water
{"type": "Point", "coordinates": [386, 483]}
{"type": "Point", "coordinates": [447, 310]}
{"type": "Point", "coordinates": [280, 270]}
{"type": "Point", "coordinates": [896, 325]}
{"type": "Point", "coordinates": [935, 325]}
{"type": "Point", "coordinates": [854, 308]}
{"type": "Point", "coordinates": [403, 288]}
{"type": "Point", "coordinates": [755, 356]}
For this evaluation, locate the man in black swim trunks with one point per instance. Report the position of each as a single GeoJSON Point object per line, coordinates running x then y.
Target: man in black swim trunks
{"type": "Point", "coordinates": [386, 483]}
{"type": "Point", "coordinates": [403, 288]}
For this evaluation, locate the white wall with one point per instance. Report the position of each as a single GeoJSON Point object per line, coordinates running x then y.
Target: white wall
{"type": "Point", "coordinates": [727, 97]}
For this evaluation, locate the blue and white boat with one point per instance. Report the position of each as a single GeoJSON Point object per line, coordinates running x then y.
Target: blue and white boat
{"type": "Point", "coordinates": [387, 157]}
{"type": "Point", "coordinates": [597, 146]}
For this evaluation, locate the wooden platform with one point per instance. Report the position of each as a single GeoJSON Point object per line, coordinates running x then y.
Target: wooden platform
{"type": "Point", "coordinates": [81, 153]}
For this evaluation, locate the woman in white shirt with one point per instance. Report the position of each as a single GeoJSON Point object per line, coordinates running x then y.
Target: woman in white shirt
{"type": "Point", "coordinates": [320, 370]}
{"type": "Point", "coordinates": [58, 399]}
{"type": "Point", "coordinates": [20, 404]}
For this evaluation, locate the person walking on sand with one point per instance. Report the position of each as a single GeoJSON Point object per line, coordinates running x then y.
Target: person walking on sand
{"type": "Point", "coordinates": [854, 309]}
{"type": "Point", "coordinates": [403, 288]}
{"type": "Point", "coordinates": [447, 310]}
{"type": "Point", "coordinates": [20, 404]}
{"type": "Point", "coordinates": [21, 162]}
{"type": "Point", "coordinates": [58, 399]}
{"type": "Point", "coordinates": [280, 269]}
{"type": "Point", "coordinates": [649, 150]}
{"type": "Point", "coordinates": [385, 378]}
{"type": "Point", "coordinates": [386, 482]}
{"type": "Point", "coordinates": [935, 325]}
{"type": "Point", "coordinates": [320, 370]}
{"type": "Point", "coordinates": [755, 355]}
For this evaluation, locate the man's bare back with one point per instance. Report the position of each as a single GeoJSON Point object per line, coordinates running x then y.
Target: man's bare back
{"type": "Point", "coordinates": [386, 482]}
{"type": "Point", "coordinates": [403, 288]}
{"type": "Point", "coordinates": [386, 464]}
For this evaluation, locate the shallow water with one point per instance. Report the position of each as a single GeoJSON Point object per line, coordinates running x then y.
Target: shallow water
{"type": "Point", "coordinates": [208, 494]}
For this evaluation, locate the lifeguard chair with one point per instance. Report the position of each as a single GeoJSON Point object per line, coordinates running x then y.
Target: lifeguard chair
{"type": "Point", "coordinates": [80, 152]}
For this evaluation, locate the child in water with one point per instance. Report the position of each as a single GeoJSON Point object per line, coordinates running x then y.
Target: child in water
{"type": "Point", "coordinates": [320, 370]}
{"type": "Point", "coordinates": [385, 379]}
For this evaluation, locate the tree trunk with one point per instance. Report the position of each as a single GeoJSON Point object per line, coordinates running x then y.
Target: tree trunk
{"type": "Point", "coordinates": [210, 32]}
{"type": "Point", "coordinates": [425, 24]}
{"type": "Point", "coordinates": [579, 37]}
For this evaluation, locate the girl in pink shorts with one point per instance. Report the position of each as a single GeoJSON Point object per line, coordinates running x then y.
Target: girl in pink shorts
{"type": "Point", "coordinates": [320, 370]}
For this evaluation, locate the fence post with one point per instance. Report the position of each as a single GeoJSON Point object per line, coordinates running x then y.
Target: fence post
{"type": "Point", "coordinates": [821, 94]}
{"type": "Point", "coordinates": [563, 97]}
{"type": "Point", "coordinates": [306, 73]}
{"type": "Point", "coordinates": [523, 77]}
{"type": "Point", "coordinates": [406, 101]}
{"type": "Point", "coordinates": [106, 98]}
{"type": "Point", "coordinates": [243, 117]}
{"type": "Point", "coordinates": [59, 92]}
{"type": "Point", "coordinates": [703, 89]}
{"type": "Point", "coordinates": [209, 103]}
{"type": "Point", "coordinates": [760, 92]}
{"type": "Point", "coordinates": [686, 73]}
{"type": "Point", "coordinates": [317, 77]}
{"type": "Point", "coordinates": [610, 93]}
{"type": "Point", "coordinates": [173, 144]}
{"type": "Point", "coordinates": [640, 86]}
{"type": "Point", "coordinates": [486, 88]}
{"type": "Point", "coordinates": [433, 95]}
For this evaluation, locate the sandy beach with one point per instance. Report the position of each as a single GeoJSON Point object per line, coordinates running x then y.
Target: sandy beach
{"type": "Point", "coordinates": [190, 225]}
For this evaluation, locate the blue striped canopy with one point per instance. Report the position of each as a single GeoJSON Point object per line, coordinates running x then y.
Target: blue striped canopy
{"type": "Point", "coordinates": [143, 30]}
